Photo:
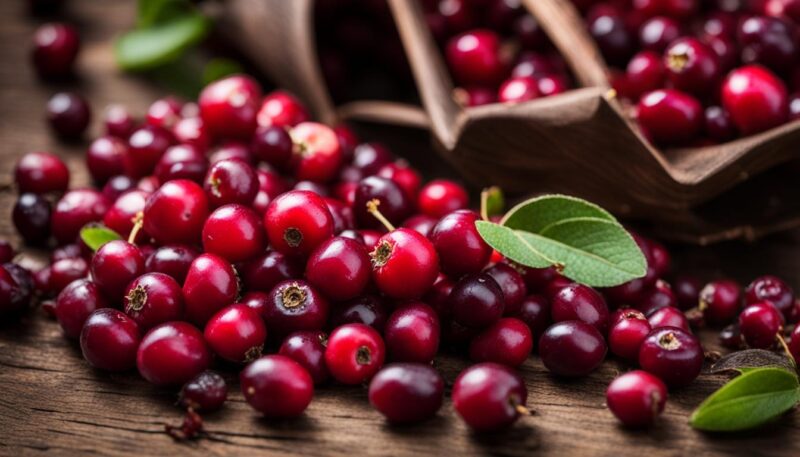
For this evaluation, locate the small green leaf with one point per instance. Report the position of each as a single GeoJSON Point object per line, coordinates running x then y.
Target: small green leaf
{"type": "Point", "coordinates": [512, 245]}
{"type": "Point", "coordinates": [750, 400]}
{"type": "Point", "coordinates": [151, 12]}
{"type": "Point", "coordinates": [150, 47]}
{"type": "Point", "coordinates": [96, 236]}
{"type": "Point", "coordinates": [220, 68]}
{"type": "Point", "coordinates": [536, 214]}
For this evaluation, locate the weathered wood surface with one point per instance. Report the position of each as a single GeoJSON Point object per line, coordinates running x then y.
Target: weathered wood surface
{"type": "Point", "coordinates": [52, 403]}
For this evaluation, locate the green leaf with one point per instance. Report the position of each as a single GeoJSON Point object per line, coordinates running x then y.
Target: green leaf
{"type": "Point", "coordinates": [536, 214]}
{"type": "Point", "coordinates": [151, 47]}
{"type": "Point", "coordinates": [96, 236]}
{"type": "Point", "coordinates": [512, 245]}
{"type": "Point", "coordinates": [152, 12]}
{"type": "Point", "coordinates": [220, 68]}
{"type": "Point", "coordinates": [750, 400]}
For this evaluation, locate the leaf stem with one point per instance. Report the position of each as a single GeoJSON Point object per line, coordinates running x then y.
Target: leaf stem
{"type": "Point", "coordinates": [372, 207]}
{"type": "Point", "coordinates": [783, 344]}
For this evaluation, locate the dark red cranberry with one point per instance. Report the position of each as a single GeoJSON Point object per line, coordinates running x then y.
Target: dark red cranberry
{"type": "Point", "coordinates": [165, 112]}
{"type": "Point", "coordinates": [182, 161]}
{"type": "Point", "coordinates": [459, 245]}
{"type": "Point", "coordinates": [342, 215]}
{"type": "Point", "coordinates": [726, 51]}
{"type": "Point", "coordinates": [536, 279]}
{"type": "Point", "coordinates": [518, 89]}
{"type": "Point", "coordinates": [236, 333]}
{"type": "Point", "coordinates": [229, 106]}
{"type": "Point", "coordinates": [192, 132]}
{"type": "Point", "coordinates": [271, 183]}
{"type": "Point", "coordinates": [64, 271]}
{"type": "Point", "coordinates": [281, 109]}
{"type": "Point", "coordinates": [67, 251]}
{"type": "Point", "coordinates": [535, 312]}
{"type": "Point", "coordinates": [340, 268]}
{"type": "Point", "coordinates": [572, 348]}
{"type": "Point", "coordinates": [210, 285]}
{"type": "Point", "coordinates": [272, 145]}
{"type": "Point", "coordinates": [441, 197]}
{"type": "Point", "coordinates": [412, 333]}
{"type": "Point", "coordinates": [355, 352]}
{"type": "Point", "coordinates": [760, 324]}
{"type": "Point", "coordinates": [670, 116]}
{"type": "Point", "coordinates": [393, 202]}
{"type": "Point", "coordinates": [657, 297]}
{"type": "Point", "coordinates": [508, 342]}
{"type": "Point", "coordinates": [673, 355]}
{"type": "Point", "coordinates": [720, 24]}
{"type": "Point", "coordinates": [267, 270]}
{"type": "Point", "coordinates": [636, 398]}
{"type": "Point", "coordinates": [530, 33]}
{"type": "Point", "coordinates": [234, 232]}
{"type": "Point", "coordinates": [368, 310]}
{"type": "Point", "coordinates": [153, 299]}
{"type": "Point", "coordinates": [612, 37]}
{"type": "Point", "coordinates": [348, 140]}
{"type": "Point", "coordinates": [313, 187]}
{"type": "Point", "coordinates": [687, 291]}
{"type": "Point", "coordinates": [645, 73]}
{"type": "Point", "coordinates": [731, 337]}
{"type": "Point", "coordinates": [404, 264]}
{"type": "Point", "coordinates": [489, 396]}
{"type": "Point", "coordinates": [768, 41]}
{"type": "Point", "coordinates": [55, 47]}
{"type": "Point", "coordinates": [146, 145]}
{"type": "Point", "coordinates": [457, 15]}
{"type": "Point", "coordinates": [657, 33]}
{"type": "Point", "coordinates": [308, 349]}
{"type": "Point", "coordinates": [232, 150]}
{"type": "Point", "coordinates": [720, 301]}
{"type": "Point", "coordinates": [422, 224]}
{"type": "Point", "coordinates": [660, 258]}
{"type": "Point", "coordinates": [403, 175]}
{"type": "Point", "coordinates": [118, 122]}
{"type": "Point", "coordinates": [755, 98]}
{"type": "Point", "coordinates": [297, 222]}
{"type": "Point", "coordinates": [31, 216]}
{"type": "Point", "coordinates": [16, 288]}
{"type": "Point", "coordinates": [7, 252]}
{"type": "Point", "coordinates": [172, 260]}
{"type": "Point", "coordinates": [295, 305]}
{"type": "Point", "coordinates": [277, 386]}
{"type": "Point", "coordinates": [627, 334]}
{"type": "Point", "coordinates": [175, 213]}
{"type": "Point", "coordinates": [794, 106]}
{"type": "Point", "coordinates": [109, 340]}
{"type": "Point", "coordinates": [317, 154]}
{"type": "Point", "coordinates": [530, 64]}
{"type": "Point", "coordinates": [114, 266]}
{"type": "Point", "coordinates": [668, 316]}
{"type": "Point", "coordinates": [679, 9]}
{"type": "Point", "coordinates": [475, 58]}
{"type": "Point", "coordinates": [74, 210]}
{"type": "Point", "coordinates": [407, 392]}
{"type": "Point", "coordinates": [719, 125]}
{"type": "Point", "coordinates": [475, 96]}
{"type": "Point", "coordinates": [477, 301]}
{"type": "Point", "coordinates": [771, 289]}
{"type": "Point", "coordinates": [205, 392]}
{"type": "Point", "coordinates": [511, 283]}
{"type": "Point", "coordinates": [579, 302]}
{"type": "Point", "coordinates": [370, 157]}
{"type": "Point", "coordinates": [117, 186]}
{"type": "Point", "coordinates": [105, 158]}
{"type": "Point", "coordinates": [74, 305]}
{"type": "Point", "coordinates": [41, 173]}
{"type": "Point", "coordinates": [231, 181]}
{"type": "Point", "coordinates": [691, 65]}
{"type": "Point", "coordinates": [794, 344]}
{"type": "Point", "coordinates": [172, 354]}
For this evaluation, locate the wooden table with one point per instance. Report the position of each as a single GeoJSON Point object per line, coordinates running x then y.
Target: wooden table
{"type": "Point", "coordinates": [52, 402]}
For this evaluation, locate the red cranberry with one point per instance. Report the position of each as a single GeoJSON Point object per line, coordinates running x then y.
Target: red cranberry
{"type": "Point", "coordinates": [236, 333]}
{"type": "Point", "coordinates": [368, 310]}
{"type": "Point", "coordinates": [511, 283]}
{"type": "Point", "coordinates": [403, 175]}
{"type": "Point", "coordinates": [55, 47]}
{"type": "Point", "coordinates": [731, 337]}
{"type": "Point", "coordinates": [794, 107]}
{"type": "Point", "coordinates": [530, 33]}
{"type": "Point", "coordinates": [572, 348]}
{"type": "Point", "coordinates": [670, 116]}
{"type": "Point", "coordinates": [477, 301]}
{"type": "Point", "coordinates": [109, 340]}
{"type": "Point", "coordinates": [657, 33]}
{"type": "Point", "coordinates": [232, 150]}
{"type": "Point", "coordinates": [535, 312]}
{"type": "Point", "coordinates": [529, 64]}
{"type": "Point", "coordinates": [146, 145]}
{"type": "Point", "coordinates": [476, 96]}
{"type": "Point", "coordinates": [393, 202]}
{"type": "Point", "coordinates": [412, 333]}
{"type": "Point", "coordinates": [755, 98]}
{"type": "Point", "coordinates": [422, 224]}
{"type": "Point", "coordinates": [459, 245]}
{"type": "Point", "coordinates": [234, 232]}
{"type": "Point", "coordinates": [273, 145]}
{"type": "Point", "coordinates": [508, 342]}
{"type": "Point", "coordinates": [67, 251]}
{"type": "Point", "coordinates": [153, 299]}
{"type": "Point", "coordinates": [404, 264]}
{"type": "Point", "coordinates": [612, 37]}
{"type": "Point", "coordinates": [768, 41]}
{"type": "Point", "coordinates": [229, 106]}
{"type": "Point", "coordinates": [308, 349]}
{"type": "Point", "coordinates": [118, 122]}
{"type": "Point", "coordinates": [355, 352]}
{"type": "Point", "coordinates": [720, 301]}
{"type": "Point", "coordinates": [687, 291]}
{"type": "Point", "coordinates": [294, 305]}
{"type": "Point", "coordinates": [117, 186]}
{"type": "Point", "coordinates": [636, 398]}
{"type": "Point", "coordinates": [579, 302]}
{"type": "Point", "coordinates": [318, 155]}
{"type": "Point", "coordinates": [457, 15]}
{"type": "Point", "coordinates": [183, 161]}
{"type": "Point", "coordinates": [550, 85]}
{"type": "Point", "coordinates": [231, 181]}
{"type": "Point", "coordinates": [192, 132]}
{"type": "Point", "coordinates": [172, 260]}
{"type": "Point", "coordinates": [165, 112]}
{"type": "Point", "coordinates": [123, 214]}
{"type": "Point", "coordinates": [277, 386]}
{"type": "Point", "coordinates": [114, 266]}
{"type": "Point", "coordinates": [407, 392]}
{"type": "Point", "coordinates": [210, 285]}
{"type": "Point", "coordinates": [64, 271]}
{"type": "Point", "coordinates": [440, 197]}
{"type": "Point", "coordinates": [172, 354]}
{"type": "Point", "coordinates": [660, 259]}
{"type": "Point", "coordinates": [794, 344]}
{"type": "Point", "coordinates": [760, 324]}
{"type": "Point", "coordinates": [7, 252]}
{"type": "Point", "coordinates": [74, 305]}
{"type": "Point", "coordinates": [205, 392]}
{"type": "Point", "coordinates": [14, 293]}
{"type": "Point", "coordinates": [41, 173]}
{"type": "Point", "coordinates": [489, 396]}
{"type": "Point", "coordinates": [297, 222]}
{"type": "Point", "coordinates": [657, 297]}
{"type": "Point", "coordinates": [175, 213]}
{"type": "Point", "coordinates": [105, 158]}
{"type": "Point", "coordinates": [370, 157]}
{"type": "Point", "coordinates": [673, 355]}
{"type": "Point", "coordinates": [475, 58]}
{"type": "Point", "coordinates": [340, 268]}
{"type": "Point", "coordinates": [668, 316]}
{"type": "Point", "coordinates": [645, 73]}
{"type": "Point", "coordinates": [691, 65]}
{"type": "Point", "coordinates": [518, 89]}
{"type": "Point", "coordinates": [281, 109]}
{"type": "Point", "coordinates": [719, 125]}
{"type": "Point", "coordinates": [267, 270]}
{"type": "Point", "coordinates": [74, 210]}
{"type": "Point", "coordinates": [627, 334]}
{"type": "Point", "coordinates": [771, 289]}
{"type": "Point", "coordinates": [31, 216]}
{"type": "Point", "coordinates": [679, 9]}
{"type": "Point", "coordinates": [348, 140]}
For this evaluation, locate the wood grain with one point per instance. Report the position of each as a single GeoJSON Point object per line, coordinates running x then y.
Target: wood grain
{"type": "Point", "coordinates": [53, 403]}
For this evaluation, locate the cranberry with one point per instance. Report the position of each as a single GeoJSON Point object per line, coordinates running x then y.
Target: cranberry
{"type": "Point", "coordinates": [172, 354]}
{"type": "Point", "coordinates": [572, 348]}
{"type": "Point", "coordinates": [297, 222]}
{"type": "Point", "coordinates": [407, 392]}
{"type": "Point", "coordinates": [67, 251]}
{"type": "Point", "coordinates": [530, 33]}
{"type": "Point", "coordinates": [232, 150]}
{"type": "Point", "coordinates": [313, 187]}
{"type": "Point", "coordinates": [457, 15]}
{"type": "Point", "coordinates": [118, 122]}
{"type": "Point", "coordinates": [755, 98]}
{"type": "Point", "coordinates": [355, 352]}
{"type": "Point", "coordinates": [105, 158]}
{"type": "Point", "coordinates": [308, 349]}
{"type": "Point", "coordinates": [668, 316]}
{"type": "Point", "coordinates": [794, 344]}
{"type": "Point", "coordinates": [272, 145]}
{"type": "Point", "coordinates": [55, 47]}
{"type": "Point", "coordinates": [340, 268]}
{"type": "Point", "coordinates": [146, 145]}
{"type": "Point", "coordinates": [760, 324]}
{"type": "Point", "coordinates": [404, 264]}
{"type": "Point", "coordinates": [183, 161]}
{"type": "Point", "coordinates": [118, 185]}
{"type": "Point", "coordinates": [679, 9]}
{"type": "Point", "coordinates": [368, 310]}
{"type": "Point", "coordinates": [657, 33]}
{"type": "Point", "coordinates": [281, 109]}
{"type": "Point", "coordinates": [295, 305]}
{"type": "Point", "coordinates": [579, 302]}
{"type": "Point", "coordinates": [7, 252]}
{"type": "Point", "coordinates": [440, 197]}
{"type": "Point", "coordinates": [731, 337]}
{"type": "Point", "coordinates": [691, 65]}
{"type": "Point", "coordinates": [657, 297]}
{"type": "Point", "coordinates": [317, 154]}
{"type": "Point", "coordinates": [369, 158]}
{"type": "Point", "coordinates": [489, 396]}
{"type": "Point", "coordinates": [636, 398]}
{"type": "Point", "coordinates": [234, 232]}
{"type": "Point", "coordinates": [123, 214]}
{"type": "Point", "coordinates": [477, 301]}
{"type": "Point", "coordinates": [768, 41]}
{"type": "Point", "coordinates": [348, 140]}
{"type": "Point", "coordinates": [794, 106]}
{"type": "Point", "coordinates": [535, 312]}
{"type": "Point", "coordinates": [508, 342]}
{"type": "Point", "coordinates": [719, 125]}
{"type": "Point", "coordinates": [192, 132]}
{"type": "Point", "coordinates": [459, 245]}
{"type": "Point", "coordinates": [205, 392]}
{"type": "Point", "coordinates": [673, 355]}
{"type": "Point", "coordinates": [173, 260]}
{"type": "Point", "coordinates": [393, 202]}
{"type": "Point", "coordinates": [511, 283]}
{"type": "Point", "coordinates": [41, 173]}
{"type": "Point", "coordinates": [612, 37]}
{"type": "Point", "coordinates": [15, 294]}
{"type": "Point", "coordinates": [477, 96]}
{"type": "Point", "coordinates": [229, 106]}
{"type": "Point", "coordinates": [670, 116]}
{"type": "Point", "coordinates": [645, 73]}
{"type": "Point", "coordinates": [771, 289]}
{"type": "Point", "coordinates": [153, 299]}
{"type": "Point", "coordinates": [528, 64]}
{"type": "Point", "coordinates": [720, 301]}
{"type": "Point", "coordinates": [231, 181]}
{"type": "Point", "coordinates": [175, 213]}
{"type": "Point", "coordinates": [74, 305]}
{"type": "Point", "coordinates": [236, 333]}
{"type": "Point", "coordinates": [412, 333]}
{"type": "Point", "coordinates": [403, 175]}
{"type": "Point", "coordinates": [165, 112]}
{"type": "Point", "coordinates": [475, 58]}
{"type": "Point", "coordinates": [277, 386]}
{"type": "Point", "coordinates": [114, 266]}
{"type": "Point", "coordinates": [109, 340]}
{"type": "Point", "coordinates": [64, 271]}
{"type": "Point", "coordinates": [210, 285]}
{"type": "Point", "coordinates": [31, 216]}
{"type": "Point", "coordinates": [627, 334]}
{"type": "Point", "coordinates": [518, 89]}
{"type": "Point", "coordinates": [74, 210]}
{"type": "Point", "coordinates": [687, 291]}
{"type": "Point", "coordinates": [267, 270]}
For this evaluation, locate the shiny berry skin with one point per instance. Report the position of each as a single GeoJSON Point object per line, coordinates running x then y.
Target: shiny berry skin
{"type": "Point", "coordinates": [412, 333]}
{"type": "Point", "coordinates": [164, 112]}
{"type": "Point", "coordinates": [459, 245]}
{"type": "Point", "coordinates": [627, 334]}
{"type": "Point", "coordinates": [518, 89]}
{"type": "Point", "coordinates": [404, 264]}
{"type": "Point", "coordinates": [670, 116]}
{"type": "Point", "coordinates": [771, 289]}
{"type": "Point", "coordinates": [368, 310]}
{"type": "Point", "coordinates": [719, 125]}
{"type": "Point", "coordinates": [117, 186]}
{"type": "Point", "coordinates": [68, 115]}
{"type": "Point", "coordinates": [182, 161]}
{"type": "Point", "coordinates": [31, 216]}
{"type": "Point", "coordinates": [172, 353]}
{"type": "Point", "coordinates": [657, 297]}
{"type": "Point", "coordinates": [230, 181]}
{"type": "Point", "coordinates": [612, 37]}
{"type": "Point", "coordinates": [687, 291]}
{"type": "Point", "coordinates": [579, 302]}
{"type": "Point", "coordinates": [191, 131]}
{"type": "Point", "coordinates": [768, 41]}
{"type": "Point", "coordinates": [572, 348]}
{"type": "Point", "coordinates": [691, 65]}
{"type": "Point", "coordinates": [74, 210]}
{"type": "Point", "coordinates": [760, 324]}
{"type": "Point", "coordinates": [176, 212]}
{"type": "Point", "coordinates": [234, 232]}
{"type": "Point", "coordinates": [232, 150]}
{"type": "Point", "coordinates": [205, 392]}
{"type": "Point", "coordinates": [393, 202]}
{"type": "Point", "coordinates": [645, 73]}
{"type": "Point", "coordinates": [475, 58]}
{"type": "Point", "coordinates": [440, 197]}
{"type": "Point", "coordinates": [272, 145]}
{"type": "Point", "coordinates": [317, 154]}
{"type": "Point", "coordinates": [369, 158]}
{"type": "Point", "coordinates": [114, 266]}
{"type": "Point", "coordinates": [12, 296]}
{"type": "Point", "coordinates": [794, 344]}
{"type": "Point", "coordinates": [41, 173]}
{"type": "Point", "coordinates": [277, 386]}
{"type": "Point", "coordinates": [109, 340]}
{"type": "Point", "coordinates": [153, 299]}
{"type": "Point", "coordinates": [636, 398]}
{"type": "Point", "coordinates": [657, 33]}
{"type": "Point", "coordinates": [535, 312]}
{"type": "Point", "coordinates": [228, 107]}
{"type": "Point", "coordinates": [146, 145]}
{"type": "Point", "coordinates": [731, 337]}
{"type": "Point", "coordinates": [265, 271]}
{"type": "Point", "coordinates": [340, 268]}
{"type": "Point", "coordinates": [308, 349]}
{"type": "Point", "coordinates": [64, 271]}
{"type": "Point", "coordinates": [122, 215]}
{"type": "Point", "coordinates": [675, 356]}
{"type": "Point", "coordinates": [355, 352]}
{"type": "Point", "coordinates": [173, 260]}
{"type": "Point", "coordinates": [281, 109]}
{"type": "Point", "coordinates": [294, 305]}
{"type": "Point", "coordinates": [668, 316]}
{"type": "Point", "coordinates": [508, 342]}
{"type": "Point", "coordinates": [403, 175]}
{"type": "Point", "coordinates": [755, 98]}
{"type": "Point", "coordinates": [720, 301]}
{"type": "Point", "coordinates": [477, 301]}
{"type": "Point", "coordinates": [407, 393]}
{"type": "Point", "coordinates": [297, 222]}
{"type": "Point", "coordinates": [210, 285]}
{"type": "Point", "coordinates": [489, 396]}
{"type": "Point", "coordinates": [105, 158]}
{"type": "Point", "coordinates": [678, 9]}
{"type": "Point", "coordinates": [7, 252]}
{"type": "Point", "coordinates": [55, 47]}
{"type": "Point", "coordinates": [794, 106]}
{"type": "Point", "coordinates": [74, 305]}
{"type": "Point", "coordinates": [511, 283]}
{"type": "Point", "coordinates": [118, 122]}
{"type": "Point", "coordinates": [236, 333]}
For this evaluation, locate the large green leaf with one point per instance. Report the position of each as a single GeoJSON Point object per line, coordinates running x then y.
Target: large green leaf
{"type": "Point", "coordinates": [147, 48]}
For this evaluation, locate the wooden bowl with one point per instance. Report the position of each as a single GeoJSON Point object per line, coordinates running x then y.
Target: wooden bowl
{"type": "Point", "coordinates": [579, 142]}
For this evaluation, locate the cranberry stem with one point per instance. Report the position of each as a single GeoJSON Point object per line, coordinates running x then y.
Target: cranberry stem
{"type": "Point", "coordinates": [485, 203]}
{"type": "Point", "coordinates": [786, 349]}
{"type": "Point", "coordinates": [372, 207]}
{"type": "Point", "coordinates": [138, 221]}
